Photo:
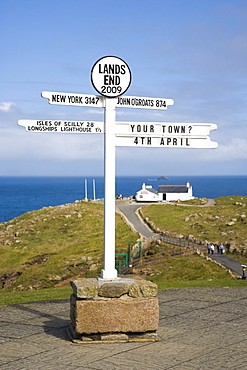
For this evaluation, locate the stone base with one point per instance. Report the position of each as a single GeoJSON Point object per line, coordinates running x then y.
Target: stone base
{"type": "Point", "coordinates": [119, 310]}
{"type": "Point", "coordinates": [111, 338]}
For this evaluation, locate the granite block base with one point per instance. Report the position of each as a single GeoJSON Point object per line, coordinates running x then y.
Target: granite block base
{"type": "Point", "coordinates": [118, 310]}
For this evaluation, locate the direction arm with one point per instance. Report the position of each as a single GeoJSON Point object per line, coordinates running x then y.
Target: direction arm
{"type": "Point", "coordinates": [65, 127]}
{"type": "Point", "coordinates": [143, 141]}
{"type": "Point", "coordinates": [79, 100]}
{"type": "Point", "coordinates": [164, 128]}
{"type": "Point", "coordinates": [142, 102]}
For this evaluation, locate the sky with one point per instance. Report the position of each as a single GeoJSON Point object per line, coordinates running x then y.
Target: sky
{"type": "Point", "coordinates": [193, 51]}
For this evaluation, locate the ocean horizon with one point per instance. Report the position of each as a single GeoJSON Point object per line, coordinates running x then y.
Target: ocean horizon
{"type": "Point", "coordinates": [19, 195]}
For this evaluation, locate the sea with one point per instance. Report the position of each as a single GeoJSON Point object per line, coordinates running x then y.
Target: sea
{"type": "Point", "coordinates": [19, 195]}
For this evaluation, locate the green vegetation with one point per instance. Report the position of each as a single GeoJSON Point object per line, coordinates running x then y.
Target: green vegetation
{"type": "Point", "coordinates": [171, 266]}
{"type": "Point", "coordinates": [14, 297]}
{"type": "Point", "coordinates": [42, 251]}
{"type": "Point", "coordinates": [173, 273]}
{"type": "Point", "coordinates": [179, 284]}
{"type": "Point", "coordinates": [188, 271]}
{"type": "Point", "coordinates": [225, 222]}
{"type": "Point", "coordinates": [49, 247]}
{"type": "Point", "coordinates": [238, 257]}
{"type": "Point", "coordinates": [195, 201]}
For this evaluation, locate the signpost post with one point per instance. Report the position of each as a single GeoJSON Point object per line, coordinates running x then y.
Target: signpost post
{"type": "Point", "coordinates": [111, 77]}
{"type": "Point", "coordinates": [109, 271]}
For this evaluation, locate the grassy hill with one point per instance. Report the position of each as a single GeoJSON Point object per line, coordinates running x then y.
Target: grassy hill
{"type": "Point", "coordinates": [46, 248]}
{"type": "Point", "coordinates": [42, 251]}
{"type": "Point", "coordinates": [226, 222]}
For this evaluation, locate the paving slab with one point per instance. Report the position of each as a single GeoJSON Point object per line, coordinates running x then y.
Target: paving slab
{"type": "Point", "coordinates": [199, 328]}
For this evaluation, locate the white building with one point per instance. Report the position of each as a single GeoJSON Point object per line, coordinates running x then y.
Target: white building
{"type": "Point", "coordinates": [147, 194]}
{"type": "Point", "coordinates": [164, 193]}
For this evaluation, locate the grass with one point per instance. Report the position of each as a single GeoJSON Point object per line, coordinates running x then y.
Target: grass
{"type": "Point", "coordinates": [15, 297]}
{"type": "Point", "coordinates": [195, 201]}
{"type": "Point", "coordinates": [239, 258]}
{"type": "Point", "coordinates": [220, 283]}
{"type": "Point", "coordinates": [49, 247]}
{"type": "Point", "coordinates": [186, 268]}
{"type": "Point", "coordinates": [42, 251]}
{"type": "Point", "coordinates": [173, 273]}
{"type": "Point", "coordinates": [225, 222]}
{"type": "Point", "coordinates": [190, 271]}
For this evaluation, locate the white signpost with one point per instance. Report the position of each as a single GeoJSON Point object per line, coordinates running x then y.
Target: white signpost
{"type": "Point", "coordinates": [111, 77]}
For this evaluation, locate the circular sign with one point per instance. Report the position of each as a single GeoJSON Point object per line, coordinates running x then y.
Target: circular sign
{"type": "Point", "coordinates": [111, 76]}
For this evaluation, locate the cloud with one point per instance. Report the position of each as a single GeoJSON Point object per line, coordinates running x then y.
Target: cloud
{"type": "Point", "coordinates": [236, 149]}
{"type": "Point", "coordinates": [42, 146]}
{"type": "Point", "coordinates": [232, 151]}
{"type": "Point", "coordinates": [7, 106]}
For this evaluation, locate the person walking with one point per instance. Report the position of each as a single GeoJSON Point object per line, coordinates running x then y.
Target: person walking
{"type": "Point", "coordinates": [209, 248]}
{"type": "Point", "coordinates": [212, 248]}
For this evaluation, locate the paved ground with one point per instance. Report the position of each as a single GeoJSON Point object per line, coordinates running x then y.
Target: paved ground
{"type": "Point", "coordinates": [200, 328]}
{"type": "Point", "coordinates": [129, 210]}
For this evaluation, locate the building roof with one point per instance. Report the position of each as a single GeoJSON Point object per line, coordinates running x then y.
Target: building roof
{"type": "Point", "coordinates": [173, 189]}
{"type": "Point", "coordinates": [150, 189]}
